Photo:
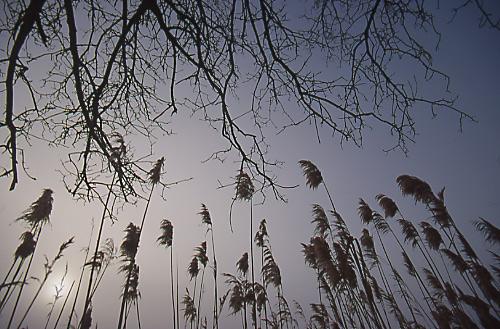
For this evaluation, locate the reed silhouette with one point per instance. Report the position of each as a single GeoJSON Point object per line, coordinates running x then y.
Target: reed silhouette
{"type": "Point", "coordinates": [434, 278]}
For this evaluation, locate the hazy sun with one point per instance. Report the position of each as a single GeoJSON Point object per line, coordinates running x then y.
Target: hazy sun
{"type": "Point", "coordinates": [57, 286]}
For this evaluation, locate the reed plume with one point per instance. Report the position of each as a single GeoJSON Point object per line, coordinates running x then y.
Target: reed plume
{"type": "Point", "coordinates": [23, 251]}
{"type": "Point", "coordinates": [314, 178]}
{"type": "Point", "coordinates": [312, 174]}
{"type": "Point", "coordinates": [386, 203]}
{"type": "Point", "coordinates": [244, 187]}
{"type": "Point", "coordinates": [417, 188]}
{"type": "Point", "coordinates": [189, 308]}
{"type": "Point", "coordinates": [154, 174]}
{"type": "Point", "coordinates": [38, 213]}
{"type": "Point", "coordinates": [36, 216]}
{"type": "Point", "coordinates": [48, 268]}
{"type": "Point", "coordinates": [201, 255]}
{"type": "Point", "coordinates": [242, 264]}
{"type": "Point", "coordinates": [207, 220]}
{"type": "Point", "coordinates": [128, 250]}
{"type": "Point", "coordinates": [193, 268]}
{"type": "Point", "coordinates": [322, 226]}
{"type": "Point", "coordinates": [166, 240]}
{"type": "Point", "coordinates": [490, 231]}
{"type": "Point", "coordinates": [432, 236]}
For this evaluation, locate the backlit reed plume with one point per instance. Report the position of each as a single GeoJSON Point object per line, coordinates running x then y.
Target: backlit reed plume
{"type": "Point", "coordinates": [38, 213]}
{"type": "Point", "coordinates": [322, 226]}
{"type": "Point", "coordinates": [155, 173]}
{"type": "Point", "coordinates": [201, 255]}
{"type": "Point", "coordinates": [105, 255]}
{"type": "Point", "coordinates": [207, 220]}
{"type": "Point", "coordinates": [189, 308]}
{"type": "Point", "coordinates": [244, 186]}
{"type": "Point", "coordinates": [237, 297]}
{"type": "Point", "coordinates": [485, 282]}
{"type": "Point", "coordinates": [432, 236]}
{"type": "Point", "coordinates": [154, 178]}
{"type": "Point", "coordinates": [456, 260]}
{"type": "Point", "coordinates": [167, 235]}
{"type": "Point", "coordinates": [205, 215]}
{"type": "Point", "coordinates": [369, 246]}
{"type": "Point", "coordinates": [368, 216]}
{"type": "Point", "coordinates": [132, 294]}
{"type": "Point", "coordinates": [166, 240]}
{"type": "Point", "coordinates": [386, 203]}
{"type": "Point", "coordinates": [128, 251]}
{"type": "Point", "coordinates": [23, 251]}
{"type": "Point", "coordinates": [417, 188]}
{"type": "Point", "coordinates": [193, 268]}
{"type": "Point", "coordinates": [242, 264]}
{"type": "Point", "coordinates": [314, 178]}
{"type": "Point", "coordinates": [320, 317]}
{"type": "Point", "coordinates": [244, 191]}
{"type": "Point", "coordinates": [490, 231]}
{"type": "Point", "coordinates": [36, 216]}
{"type": "Point", "coordinates": [261, 239]}
{"type": "Point", "coordinates": [48, 268]}
{"type": "Point", "coordinates": [482, 310]}
{"type": "Point", "coordinates": [312, 174]}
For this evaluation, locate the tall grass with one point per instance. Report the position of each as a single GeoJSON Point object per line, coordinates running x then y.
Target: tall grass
{"type": "Point", "coordinates": [432, 278]}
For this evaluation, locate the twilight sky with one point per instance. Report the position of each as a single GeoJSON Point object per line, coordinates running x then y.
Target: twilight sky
{"type": "Point", "coordinates": [466, 162]}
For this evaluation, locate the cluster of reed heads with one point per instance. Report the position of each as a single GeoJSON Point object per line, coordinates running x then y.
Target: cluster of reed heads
{"type": "Point", "coordinates": [435, 280]}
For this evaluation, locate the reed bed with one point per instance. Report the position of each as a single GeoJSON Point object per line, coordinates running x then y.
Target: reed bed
{"type": "Point", "coordinates": [397, 272]}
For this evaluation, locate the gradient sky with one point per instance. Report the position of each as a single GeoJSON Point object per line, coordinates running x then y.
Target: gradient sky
{"type": "Point", "coordinates": [467, 163]}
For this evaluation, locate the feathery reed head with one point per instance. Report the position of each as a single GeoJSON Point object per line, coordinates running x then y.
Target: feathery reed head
{"type": "Point", "coordinates": [440, 213]}
{"type": "Point", "coordinates": [414, 186]}
{"type": "Point", "coordinates": [443, 316]}
{"type": "Point", "coordinates": [155, 173]}
{"type": "Point", "coordinates": [369, 246]}
{"type": "Point", "coordinates": [320, 219]}
{"type": "Point", "coordinates": [345, 265]}
{"type": "Point", "coordinates": [39, 211]}
{"type": "Point", "coordinates": [309, 255]}
{"type": "Point", "coordinates": [104, 256]}
{"type": "Point", "coordinates": [27, 246]}
{"type": "Point", "coordinates": [270, 270]}
{"type": "Point", "coordinates": [261, 235]}
{"type": "Point", "coordinates": [432, 236]}
{"type": "Point", "coordinates": [189, 307]}
{"type": "Point", "coordinates": [409, 231]}
{"type": "Point", "coordinates": [167, 233]}
{"type": "Point", "coordinates": [193, 268]}
{"type": "Point", "coordinates": [130, 243]}
{"type": "Point", "coordinates": [365, 212]}
{"type": "Point", "coordinates": [409, 264]}
{"type": "Point", "coordinates": [312, 174]}
{"type": "Point", "coordinates": [205, 215]}
{"type": "Point", "coordinates": [386, 203]}
{"type": "Point", "coordinates": [201, 253]}
{"type": "Point", "coordinates": [132, 293]}
{"type": "Point", "coordinates": [457, 261]}
{"type": "Point", "coordinates": [244, 186]}
{"type": "Point", "coordinates": [242, 264]}
{"type": "Point", "coordinates": [490, 231]}
{"type": "Point", "coordinates": [467, 248]}
{"type": "Point", "coordinates": [237, 298]}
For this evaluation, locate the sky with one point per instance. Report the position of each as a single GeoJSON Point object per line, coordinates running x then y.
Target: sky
{"type": "Point", "coordinates": [465, 161]}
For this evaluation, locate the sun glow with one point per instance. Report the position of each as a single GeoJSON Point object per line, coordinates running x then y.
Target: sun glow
{"type": "Point", "coordinates": [58, 288]}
